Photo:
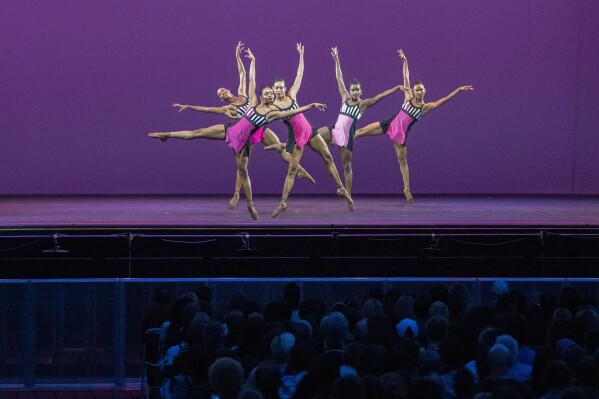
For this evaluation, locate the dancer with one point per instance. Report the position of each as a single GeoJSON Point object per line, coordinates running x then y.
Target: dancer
{"type": "Point", "coordinates": [301, 133]}
{"type": "Point", "coordinates": [237, 106]}
{"type": "Point", "coordinates": [352, 108]}
{"type": "Point", "coordinates": [238, 134]}
{"type": "Point", "coordinates": [399, 125]}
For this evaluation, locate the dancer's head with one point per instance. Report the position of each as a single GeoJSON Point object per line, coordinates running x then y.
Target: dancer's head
{"type": "Point", "coordinates": [225, 94]}
{"type": "Point", "coordinates": [279, 88]}
{"type": "Point", "coordinates": [355, 90]}
{"type": "Point", "coordinates": [419, 91]}
{"type": "Point", "coordinates": [267, 95]}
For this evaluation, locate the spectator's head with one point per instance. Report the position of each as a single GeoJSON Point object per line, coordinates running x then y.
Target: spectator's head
{"type": "Point", "coordinates": [429, 362]}
{"type": "Point", "coordinates": [438, 308]}
{"type": "Point", "coordinates": [334, 330]}
{"type": "Point", "coordinates": [349, 387]}
{"type": "Point", "coordinates": [280, 347]}
{"type": "Point", "coordinates": [204, 293]}
{"type": "Point", "coordinates": [404, 308]}
{"type": "Point", "coordinates": [372, 306]}
{"type": "Point", "coordinates": [499, 288]}
{"type": "Point", "coordinates": [437, 328]}
{"type": "Point", "coordinates": [407, 328]}
{"type": "Point", "coordinates": [268, 379]}
{"type": "Point", "coordinates": [226, 377]}
{"type": "Point", "coordinates": [499, 360]}
{"type": "Point", "coordinates": [511, 344]}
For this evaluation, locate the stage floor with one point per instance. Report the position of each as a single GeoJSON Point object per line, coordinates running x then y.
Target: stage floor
{"type": "Point", "coordinates": [311, 211]}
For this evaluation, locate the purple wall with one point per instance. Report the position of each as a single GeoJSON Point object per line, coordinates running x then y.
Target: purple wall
{"type": "Point", "coordinates": [82, 83]}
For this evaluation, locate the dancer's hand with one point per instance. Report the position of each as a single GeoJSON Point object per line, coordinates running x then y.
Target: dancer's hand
{"type": "Point", "coordinates": [300, 48]}
{"type": "Point", "coordinates": [249, 55]}
{"type": "Point", "coordinates": [180, 106]}
{"type": "Point", "coordinates": [239, 49]}
{"type": "Point", "coordinates": [321, 107]}
{"type": "Point", "coordinates": [402, 55]}
{"type": "Point", "coordinates": [468, 88]}
{"type": "Point", "coordinates": [335, 53]}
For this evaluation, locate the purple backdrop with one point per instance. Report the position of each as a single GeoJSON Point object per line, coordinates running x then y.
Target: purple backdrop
{"type": "Point", "coordinates": [83, 82]}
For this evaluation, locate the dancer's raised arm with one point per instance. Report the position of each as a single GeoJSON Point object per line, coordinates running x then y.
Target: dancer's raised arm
{"type": "Point", "coordinates": [225, 109]}
{"type": "Point", "coordinates": [369, 102]}
{"type": "Point", "coordinates": [406, 74]}
{"type": "Point", "coordinates": [339, 75]}
{"type": "Point", "coordinates": [300, 72]}
{"type": "Point", "coordinates": [241, 91]}
{"type": "Point", "coordinates": [426, 108]}
{"type": "Point", "coordinates": [252, 88]}
{"type": "Point", "coordinates": [273, 115]}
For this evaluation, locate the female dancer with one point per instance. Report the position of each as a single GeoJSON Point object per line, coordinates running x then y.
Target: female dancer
{"type": "Point", "coordinates": [300, 134]}
{"type": "Point", "coordinates": [399, 125]}
{"type": "Point", "coordinates": [352, 108]}
{"type": "Point", "coordinates": [237, 106]}
{"type": "Point", "coordinates": [238, 134]}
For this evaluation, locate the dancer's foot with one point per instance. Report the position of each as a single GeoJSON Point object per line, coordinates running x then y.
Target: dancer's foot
{"type": "Point", "coordinates": [253, 212]}
{"type": "Point", "coordinates": [280, 209]}
{"type": "Point", "coordinates": [302, 174]}
{"type": "Point", "coordinates": [350, 202]}
{"type": "Point", "coordinates": [275, 147]}
{"type": "Point", "coordinates": [233, 201]}
{"type": "Point", "coordinates": [161, 136]}
{"type": "Point", "coordinates": [408, 195]}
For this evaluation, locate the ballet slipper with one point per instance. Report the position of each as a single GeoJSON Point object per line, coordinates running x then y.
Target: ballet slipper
{"type": "Point", "coordinates": [275, 147]}
{"type": "Point", "coordinates": [348, 199]}
{"type": "Point", "coordinates": [161, 136]}
{"type": "Point", "coordinates": [233, 201]}
{"type": "Point", "coordinates": [302, 174]}
{"type": "Point", "coordinates": [252, 211]}
{"type": "Point", "coordinates": [280, 209]}
{"type": "Point", "coordinates": [408, 195]}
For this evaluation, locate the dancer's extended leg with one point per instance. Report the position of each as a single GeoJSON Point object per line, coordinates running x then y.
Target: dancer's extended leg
{"type": "Point", "coordinates": [369, 130]}
{"type": "Point", "coordinates": [346, 156]}
{"type": "Point", "coordinates": [402, 158]}
{"type": "Point", "coordinates": [271, 141]}
{"type": "Point", "coordinates": [294, 161]}
{"type": "Point", "coordinates": [242, 169]}
{"type": "Point", "coordinates": [325, 133]}
{"type": "Point", "coordinates": [320, 147]}
{"type": "Point", "coordinates": [215, 132]}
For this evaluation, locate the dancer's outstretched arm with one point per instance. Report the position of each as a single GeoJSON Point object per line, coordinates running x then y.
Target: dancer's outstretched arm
{"type": "Point", "coordinates": [252, 89]}
{"type": "Point", "coordinates": [436, 104]}
{"type": "Point", "coordinates": [369, 102]}
{"type": "Point", "coordinates": [273, 114]}
{"type": "Point", "coordinates": [228, 110]}
{"type": "Point", "coordinates": [339, 75]}
{"type": "Point", "coordinates": [406, 75]}
{"type": "Point", "coordinates": [241, 91]}
{"type": "Point", "coordinates": [300, 72]}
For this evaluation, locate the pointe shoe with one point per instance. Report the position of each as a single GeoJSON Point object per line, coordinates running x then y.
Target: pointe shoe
{"type": "Point", "coordinates": [161, 136]}
{"type": "Point", "coordinates": [350, 202]}
{"type": "Point", "coordinates": [280, 209]}
{"type": "Point", "coordinates": [305, 175]}
{"type": "Point", "coordinates": [408, 195]}
{"type": "Point", "coordinates": [233, 201]}
{"type": "Point", "coordinates": [275, 147]}
{"type": "Point", "coordinates": [253, 212]}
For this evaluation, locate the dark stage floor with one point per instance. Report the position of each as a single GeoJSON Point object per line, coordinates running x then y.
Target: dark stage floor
{"type": "Point", "coordinates": [197, 236]}
{"type": "Point", "coordinates": [211, 211]}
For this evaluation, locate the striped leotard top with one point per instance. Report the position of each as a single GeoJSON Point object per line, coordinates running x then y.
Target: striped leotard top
{"type": "Point", "coordinates": [344, 130]}
{"type": "Point", "coordinates": [258, 136]}
{"type": "Point", "coordinates": [298, 128]}
{"type": "Point", "coordinates": [238, 134]}
{"type": "Point", "coordinates": [243, 108]}
{"type": "Point", "coordinates": [404, 120]}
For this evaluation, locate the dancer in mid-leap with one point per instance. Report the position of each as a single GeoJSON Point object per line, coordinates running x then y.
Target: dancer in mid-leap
{"type": "Point", "coordinates": [301, 133]}
{"type": "Point", "coordinates": [352, 108]}
{"type": "Point", "coordinates": [238, 134]}
{"type": "Point", "coordinates": [399, 125]}
{"type": "Point", "coordinates": [236, 107]}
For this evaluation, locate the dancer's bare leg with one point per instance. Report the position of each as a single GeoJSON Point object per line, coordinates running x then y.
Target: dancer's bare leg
{"type": "Point", "coordinates": [320, 147]}
{"type": "Point", "coordinates": [235, 198]}
{"type": "Point", "coordinates": [215, 132]}
{"type": "Point", "coordinates": [346, 156]}
{"type": "Point", "coordinates": [402, 158]}
{"type": "Point", "coordinates": [242, 169]}
{"type": "Point", "coordinates": [369, 130]}
{"type": "Point", "coordinates": [294, 160]}
{"type": "Point", "coordinates": [272, 140]}
{"type": "Point", "coordinates": [325, 133]}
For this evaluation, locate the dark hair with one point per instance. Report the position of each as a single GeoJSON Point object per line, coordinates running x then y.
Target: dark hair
{"type": "Point", "coordinates": [418, 82]}
{"type": "Point", "coordinates": [354, 81]}
{"type": "Point", "coordinates": [279, 78]}
{"type": "Point", "coordinates": [264, 87]}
